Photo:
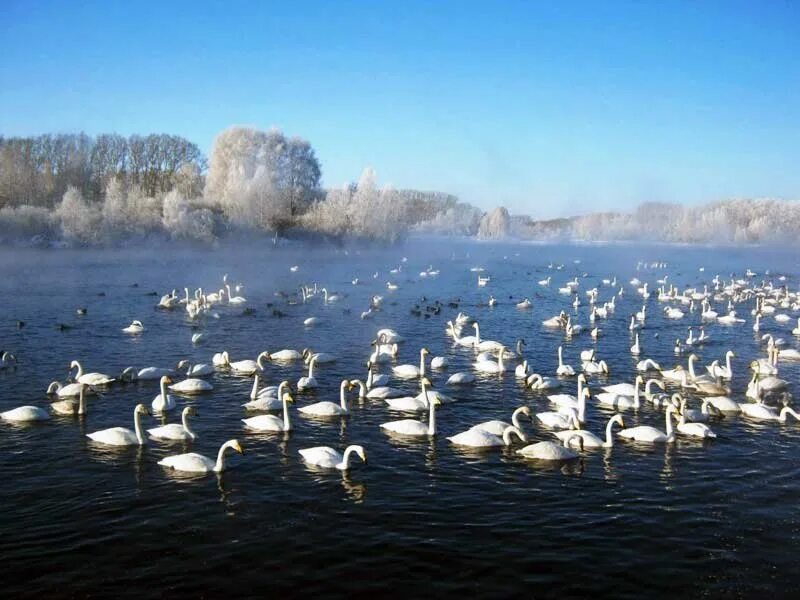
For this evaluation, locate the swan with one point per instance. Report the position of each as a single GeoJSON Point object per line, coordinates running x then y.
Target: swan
{"type": "Point", "coordinates": [522, 370]}
{"type": "Point", "coordinates": [439, 362]}
{"type": "Point", "coordinates": [134, 327]}
{"type": "Point", "coordinates": [694, 377]}
{"type": "Point", "coordinates": [461, 378]}
{"type": "Point", "coordinates": [329, 297]}
{"type": "Point", "coordinates": [199, 370]}
{"type": "Point", "coordinates": [412, 427]}
{"type": "Point", "coordinates": [327, 408]}
{"type": "Point", "coordinates": [382, 392]}
{"type": "Point", "coordinates": [384, 353]}
{"type": "Point", "coordinates": [563, 370]}
{"type": "Point", "coordinates": [197, 463]}
{"type": "Point", "coordinates": [765, 385]}
{"type": "Point", "coordinates": [175, 431]}
{"type": "Point", "coordinates": [726, 372]}
{"type": "Point", "coordinates": [622, 401]}
{"type": "Point", "coordinates": [676, 375]}
{"type": "Point", "coordinates": [322, 357]}
{"type": "Point", "coordinates": [468, 341]}
{"type": "Point", "coordinates": [7, 360]}
{"type": "Point", "coordinates": [480, 438]}
{"type": "Point", "coordinates": [268, 398]}
{"type": "Point", "coordinates": [191, 385]}
{"type": "Point", "coordinates": [234, 299]}
{"type": "Point", "coordinates": [409, 371]}
{"type": "Point", "coordinates": [71, 407]}
{"type": "Point", "coordinates": [762, 412]}
{"type": "Point", "coordinates": [594, 368]}
{"type": "Point", "coordinates": [490, 366]}
{"type": "Point", "coordinates": [309, 381]}
{"type": "Point", "coordinates": [93, 379]}
{"type": "Point", "coordinates": [146, 374]}
{"type": "Point", "coordinates": [537, 382]}
{"type": "Point", "coordinates": [651, 435]}
{"type": "Point", "coordinates": [694, 415]}
{"type": "Point", "coordinates": [328, 458]}
{"type": "Point", "coordinates": [221, 360]}
{"type": "Point", "coordinates": [556, 322]}
{"type": "Point", "coordinates": [390, 336]}
{"type": "Point", "coordinates": [648, 364]}
{"type": "Point", "coordinates": [730, 319]}
{"type": "Point", "coordinates": [121, 436]}
{"type": "Point", "coordinates": [498, 428]}
{"type": "Point", "coordinates": [197, 338]}
{"type": "Point", "coordinates": [413, 403]}
{"type": "Point", "coordinates": [656, 399]}
{"type": "Point", "coordinates": [271, 422]}
{"type": "Point", "coordinates": [550, 451]}
{"type": "Point", "coordinates": [311, 321]}
{"type": "Point", "coordinates": [249, 367]}
{"type": "Point", "coordinates": [484, 345]}
{"type": "Point", "coordinates": [590, 440]}
{"type": "Point", "coordinates": [567, 400]}
{"type": "Point", "coordinates": [588, 355]}
{"type": "Point", "coordinates": [636, 348]}
{"type": "Point", "coordinates": [788, 354]}
{"type": "Point", "coordinates": [526, 303]}
{"type": "Point", "coordinates": [559, 420]}
{"type": "Point", "coordinates": [163, 401]}
{"type": "Point", "coordinates": [624, 389]}
{"type": "Point", "coordinates": [286, 355]}
{"type": "Point", "coordinates": [373, 380]}
{"type": "Point", "coordinates": [71, 390]}
{"type": "Point", "coordinates": [796, 330]}
{"type": "Point", "coordinates": [24, 414]}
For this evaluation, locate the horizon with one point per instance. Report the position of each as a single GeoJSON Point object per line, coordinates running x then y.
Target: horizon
{"type": "Point", "coordinates": [550, 111]}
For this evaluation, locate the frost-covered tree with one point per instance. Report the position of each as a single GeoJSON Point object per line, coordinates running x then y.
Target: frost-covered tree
{"type": "Point", "coordinates": [80, 221]}
{"type": "Point", "coordinates": [184, 222]}
{"type": "Point", "coordinates": [495, 225]}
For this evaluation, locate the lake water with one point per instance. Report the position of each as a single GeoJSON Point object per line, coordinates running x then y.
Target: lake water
{"type": "Point", "coordinates": [422, 517]}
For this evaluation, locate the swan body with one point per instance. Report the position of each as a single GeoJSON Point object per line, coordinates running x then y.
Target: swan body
{"type": "Point", "coordinates": [309, 381]}
{"type": "Point", "coordinates": [537, 382]}
{"type": "Point", "coordinates": [651, 435]}
{"type": "Point", "coordinates": [328, 458]}
{"type": "Point", "coordinates": [413, 403]}
{"type": "Point", "coordinates": [479, 438]}
{"type": "Point", "coordinates": [327, 408]}
{"type": "Point", "coordinates": [191, 385]}
{"type": "Point", "coordinates": [192, 462]}
{"type": "Point", "coordinates": [175, 431]}
{"type": "Point", "coordinates": [439, 362]}
{"type": "Point", "coordinates": [269, 398]}
{"type": "Point", "coordinates": [24, 414]}
{"type": "Point", "coordinates": [762, 412]}
{"type": "Point", "coordinates": [247, 366]}
{"type": "Point", "coordinates": [153, 373]}
{"type": "Point", "coordinates": [412, 427]}
{"type": "Point", "coordinates": [647, 364]}
{"type": "Point", "coordinates": [550, 451]}
{"type": "Point", "coordinates": [382, 392]}
{"type": "Point", "coordinates": [163, 401]}
{"type": "Point", "coordinates": [559, 420]}
{"type": "Point", "coordinates": [71, 390]}
{"type": "Point", "coordinates": [522, 371]}
{"type": "Point", "coordinates": [461, 378]}
{"type": "Point", "coordinates": [121, 436]}
{"type": "Point", "coordinates": [410, 371]}
{"type": "Point", "coordinates": [220, 360]}
{"type": "Point", "coordinates": [563, 370]}
{"type": "Point", "coordinates": [498, 427]}
{"type": "Point", "coordinates": [590, 440]}
{"type": "Point", "coordinates": [271, 422]}
{"type": "Point", "coordinates": [134, 327]}
{"type": "Point", "coordinates": [90, 378]}
{"type": "Point", "coordinates": [490, 366]}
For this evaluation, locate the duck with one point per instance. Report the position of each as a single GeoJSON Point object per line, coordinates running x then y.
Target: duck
{"type": "Point", "coordinates": [271, 422]}
{"type": "Point", "coordinates": [412, 427]}
{"type": "Point", "coordinates": [71, 407]}
{"type": "Point", "coordinates": [327, 408]}
{"type": "Point", "coordinates": [480, 438]}
{"type": "Point", "coordinates": [93, 379]}
{"type": "Point", "coordinates": [192, 462]}
{"type": "Point", "coordinates": [121, 436]}
{"type": "Point", "coordinates": [309, 381]}
{"type": "Point", "coordinates": [550, 451]}
{"type": "Point", "coordinates": [326, 457]}
{"type": "Point", "coordinates": [163, 401]}
{"type": "Point", "coordinates": [175, 431]}
{"type": "Point", "coordinates": [651, 435]}
{"type": "Point", "coordinates": [590, 440]}
{"type": "Point", "coordinates": [409, 371]}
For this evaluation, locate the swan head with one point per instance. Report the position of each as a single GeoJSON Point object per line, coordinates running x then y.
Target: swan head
{"type": "Point", "coordinates": [525, 411]}
{"type": "Point", "coordinates": [141, 409]}
{"type": "Point", "coordinates": [128, 374]}
{"type": "Point", "coordinates": [182, 364]}
{"type": "Point", "coordinates": [574, 437]}
{"type": "Point", "coordinates": [426, 382]}
{"type": "Point", "coordinates": [166, 380]}
{"type": "Point", "coordinates": [617, 418]}
{"type": "Point", "coordinates": [235, 445]}
{"type": "Point", "coordinates": [189, 411]}
{"type": "Point", "coordinates": [424, 351]}
{"type": "Point", "coordinates": [74, 365]}
{"type": "Point", "coordinates": [362, 454]}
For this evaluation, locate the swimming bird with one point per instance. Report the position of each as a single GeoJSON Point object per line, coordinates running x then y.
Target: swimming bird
{"type": "Point", "coordinates": [192, 462]}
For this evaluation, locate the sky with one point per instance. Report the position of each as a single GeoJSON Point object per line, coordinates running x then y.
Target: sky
{"type": "Point", "coordinates": [547, 108]}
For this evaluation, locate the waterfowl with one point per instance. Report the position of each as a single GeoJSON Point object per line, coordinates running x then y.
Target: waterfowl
{"type": "Point", "coordinates": [309, 381]}
{"type": "Point", "coordinates": [566, 419]}
{"type": "Point", "coordinates": [197, 463]}
{"type": "Point", "coordinates": [93, 379]}
{"type": "Point", "coordinates": [71, 390]}
{"type": "Point", "coordinates": [134, 327]}
{"type": "Point", "coordinates": [590, 440]}
{"type": "Point", "coordinates": [412, 427]}
{"type": "Point", "coordinates": [25, 414]}
{"type": "Point", "coordinates": [191, 385]}
{"type": "Point", "coordinates": [537, 382]}
{"type": "Point", "coordinates": [163, 401]}
{"type": "Point", "coordinates": [412, 403]}
{"type": "Point", "coordinates": [461, 378]}
{"type": "Point", "coordinates": [327, 408]}
{"type": "Point", "coordinates": [550, 451]}
{"type": "Point", "coordinates": [121, 436]}
{"type": "Point", "coordinates": [175, 431]}
{"type": "Point", "coordinates": [563, 370]}
{"type": "Point", "coordinates": [490, 366]}
{"type": "Point", "coordinates": [271, 422]}
{"type": "Point", "coordinates": [409, 371]}
{"type": "Point", "coordinates": [651, 435]}
{"type": "Point", "coordinates": [249, 367]}
{"type": "Point", "coordinates": [70, 406]}
{"type": "Point", "coordinates": [327, 458]}
{"type": "Point", "coordinates": [480, 438]}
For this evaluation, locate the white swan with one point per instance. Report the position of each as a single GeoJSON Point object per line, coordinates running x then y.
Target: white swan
{"type": "Point", "coordinates": [439, 362]}
{"type": "Point", "coordinates": [762, 412]}
{"type": "Point", "coordinates": [590, 440]}
{"type": "Point", "coordinates": [328, 458]}
{"type": "Point", "coordinates": [89, 378]}
{"type": "Point", "coordinates": [550, 451]}
{"type": "Point", "coordinates": [163, 401]}
{"type": "Point", "coordinates": [566, 419]}
{"type": "Point", "coordinates": [724, 404]}
{"type": "Point", "coordinates": [134, 327]}
{"type": "Point", "coordinates": [412, 427]}
{"type": "Point", "coordinates": [567, 400]}
{"type": "Point", "coordinates": [197, 463]}
{"type": "Point", "coordinates": [23, 414]}
{"type": "Point", "coordinates": [327, 408]}
{"type": "Point", "coordinates": [198, 370]}
{"type": "Point", "coordinates": [483, 345]}
{"type": "Point", "coordinates": [648, 364]}
{"type": "Point", "coordinates": [268, 398]}
{"type": "Point", "coordinates": [413, 403]}
{"type": "Point", "coordinates": [490, 366]}
{"type": "Point", "coordinates": [175, 431]}
{"type": "Point", "coordinates": [375, 380]}
{"type": "Point", "coordinates": [479, 438]}
{"type": "Point", "coordinates": [191, 385]}
{"type": "Point", "coordinates": [539, 383]}
{"type": "Point", "coordinates": [70, 406]}
{"type": "Point", "coordinates": [71, 390]}
{"type": "Point", "coordinates": [726, 372]}
{"type": "Point", "coordinates": [461, 378]}
{"type": "Point", "coordinates": [409, 371]}
{"type": "Point", "coordinates": [594, 368]}
{"type": "Point", "coordinates": [498, 427]}
{"type": "Point", "coordinates": [271, 422]}
{"type": "Point", "coordinates": [636, 349]}
{"type": "Point", "coordinates": [651, 435]}
{"type": "Point", "coordinates": [309, 381]}
{"type": "Point", "coordinates": [693, 428]}
{"type": "Point", "coordinates": [522, 370]}
{"type": "Point", "coordinates": [221, 360]}
{"type": "Point", "coordinates": [249, 367]}
{"type": "Point", "coordinates": [121, 436]}
{"type": "Point", "coordinates": [563, 370]}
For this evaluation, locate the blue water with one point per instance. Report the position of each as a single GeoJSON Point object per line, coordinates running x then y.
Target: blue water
{"type": "Point", "coordinates": [422, 517]}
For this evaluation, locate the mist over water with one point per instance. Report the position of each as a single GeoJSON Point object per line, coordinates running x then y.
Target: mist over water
{"type": "Point", "coordinates": [422, 517]}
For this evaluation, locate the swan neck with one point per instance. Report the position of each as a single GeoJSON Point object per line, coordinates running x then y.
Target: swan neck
{"type": "Point", "coordinates": [219, 466]}
{"type": "Point", "coordinates": [254, 391]}
{"type": "Point", "coordinates": [609, 438]}
{"type": "Point", "coordinates": [431, 417]}
{"type": "Point", "coordinates": [137, 426]}
{"type": "Point", "coordinates": [82, 402]}
{"type": "Point", "coordinates": [343, 397]}
{"type": "Point", "coordinates": [287, 425]}
{"type": "Point", "coordinates": [185, 423]}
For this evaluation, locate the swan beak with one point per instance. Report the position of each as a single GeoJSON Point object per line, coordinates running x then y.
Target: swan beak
{"type": "Point", "coordinates": [238, 448]}
{"type": "Point", "coordinates": [167, 380]}
{"type": "Point", "coordinates": [288, 397]}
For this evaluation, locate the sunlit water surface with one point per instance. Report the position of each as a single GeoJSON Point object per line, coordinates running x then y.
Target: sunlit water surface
{"type": "Point", "coordinates": [77, 519]}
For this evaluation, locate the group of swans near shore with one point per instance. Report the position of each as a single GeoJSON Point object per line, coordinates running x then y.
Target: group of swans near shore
{"type": "Point", "coordinates": [565, 423]}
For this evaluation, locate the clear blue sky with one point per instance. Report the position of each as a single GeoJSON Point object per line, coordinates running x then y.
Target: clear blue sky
{"type": "Point", "coordinates": [547, 109]}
